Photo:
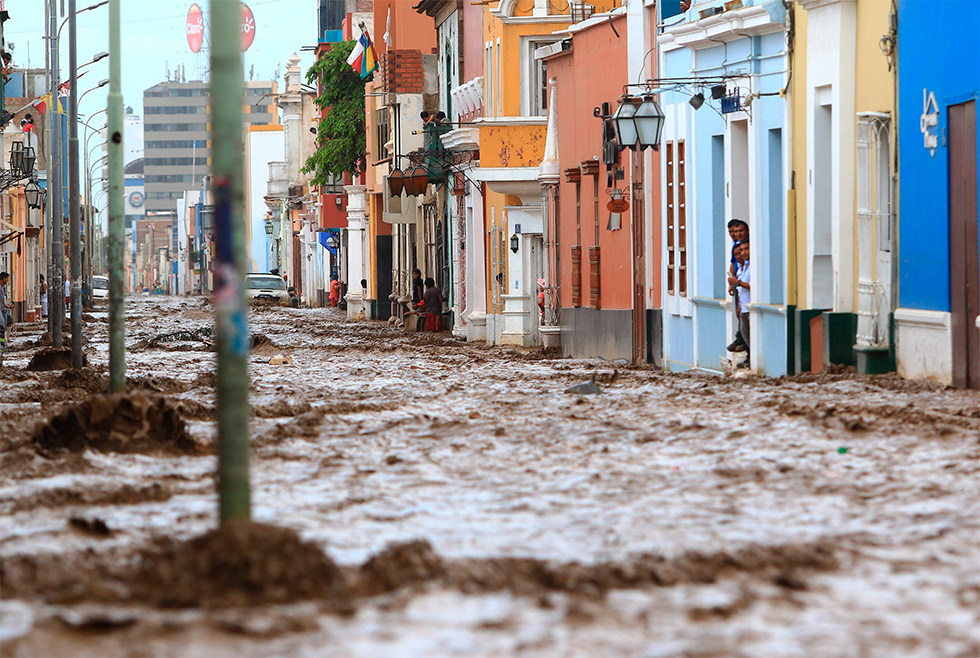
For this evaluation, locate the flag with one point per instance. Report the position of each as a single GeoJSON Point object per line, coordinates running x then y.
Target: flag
{"type": "Point", "coordinates": [41, 104]}
{"type": "Point", "coordinates": [387, 36]}
{"type": "Point", "coordinates": [363, 59]}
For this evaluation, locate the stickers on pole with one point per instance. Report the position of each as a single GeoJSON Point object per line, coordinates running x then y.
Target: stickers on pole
{"type": "Point", "coordinates": [195, 27]}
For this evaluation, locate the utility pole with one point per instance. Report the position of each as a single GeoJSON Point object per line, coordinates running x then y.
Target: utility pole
{"type": "Point", "coordinates": [231, 321]}
{"type": "Point", "coordinates": [48, 205]}
{"type": "Point", "coordinates": [56, 286]}
{"type": "Point", "coordinates": [117, 231]}
{"type": "Point", "coordinates": [74, 221]}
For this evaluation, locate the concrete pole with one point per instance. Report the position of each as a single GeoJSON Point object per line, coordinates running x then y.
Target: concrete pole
{"type": "Point", "coordinates": [74, 221]}
{"type": "Point", "coordinates": [231, 320]}
{"type": "Point", "coordinates": [48, 206]}
{"type": "Point", "coordinates": [117, 237]}
{"type": "Point", "coordinates": [56, 286]}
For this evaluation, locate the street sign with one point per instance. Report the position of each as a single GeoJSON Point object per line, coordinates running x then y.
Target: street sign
{"type": "Point", "coordinates": [618, 205]}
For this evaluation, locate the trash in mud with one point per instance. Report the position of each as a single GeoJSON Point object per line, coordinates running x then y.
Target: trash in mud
{"type": "Point", "coordinates": [51, 358]}
{"type": "Point", "coordinates": [94, 526]}
{"type": "Point", "coordinates": [241, 563]}
{"type": "Point", "coordinates": [125, 423]}
{"type": "Point", "coordinates": [280, 361]}
{"type": "Point", "coordinates": [173, 339]}
{"type": "Point", "coordinates": [586, 388]}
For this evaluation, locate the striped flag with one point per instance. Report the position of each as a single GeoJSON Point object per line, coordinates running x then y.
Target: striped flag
{"type": "Point", "coordinates": [363, 59]}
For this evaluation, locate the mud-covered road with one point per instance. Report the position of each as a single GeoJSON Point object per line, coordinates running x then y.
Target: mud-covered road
{"type": "Point", "coordinates": [443, 498]}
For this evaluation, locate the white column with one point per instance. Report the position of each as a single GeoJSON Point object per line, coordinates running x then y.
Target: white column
{"type": "Point", "coordinates": [475, 311]}
{"type": "Point", "coordinates": [356, 256]}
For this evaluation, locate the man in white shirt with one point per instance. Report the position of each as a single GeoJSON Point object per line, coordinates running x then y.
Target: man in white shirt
{"type": "Point", "coordinates": [742, 282]}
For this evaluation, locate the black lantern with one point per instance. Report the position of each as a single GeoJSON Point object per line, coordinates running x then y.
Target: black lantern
{"type": "Point", "coordinates": [396, 182]}
{"type": "Point", "coordinates": [34, 194]}
{"type": "Point", "coordinates": [515, 244]}
{"type": "Point", "coordinates": [416, 181]}
{"type": "Point", "coordinates": [17, 156]}
{"type": "Point", "coordinates": [29, 160]}
{"type": "Point", "coordinates": [623, 124]}
{"type": "Point", "coordinates": [697, 100]}
{"type": "Point", "coordinates": [649, 121]}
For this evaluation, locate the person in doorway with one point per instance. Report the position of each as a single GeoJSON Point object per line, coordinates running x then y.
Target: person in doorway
{"type": "Point", "coordinates": [742, 282]}
{"type": "Point", "coordinates": [334, 295]}
{"type": "Point", "coordinates": [5, 318]}
{"type": "Point", "coordinates": [738, 231]}
{"type": "Point", "coordinates": [418, 288]}
{"type": "Point", "coordinates": [293, 297]}
{"type": "Point", "coordinates": [433, 300]}
{"type": "Point", "coordinates": [67, 293]}
{"type": "Point", "coordinates": [44, 297]}
{"type": "Point", "coordinates": [541, 298]}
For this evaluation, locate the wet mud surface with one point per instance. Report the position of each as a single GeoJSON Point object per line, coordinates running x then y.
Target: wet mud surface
{"type": "Point", "coordinates": [415, 495]}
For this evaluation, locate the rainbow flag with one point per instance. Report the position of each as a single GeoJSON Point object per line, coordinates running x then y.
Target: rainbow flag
{"type": "Point", "coordinates": [363, 59]}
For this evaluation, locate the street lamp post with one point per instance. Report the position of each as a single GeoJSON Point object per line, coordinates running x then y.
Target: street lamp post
{"type": "Point", "coordinates": [56, 311]}
{"type": "Point", "coordinates": [117, 237]}
{"type": "Point", "coordinates": [74, 220]}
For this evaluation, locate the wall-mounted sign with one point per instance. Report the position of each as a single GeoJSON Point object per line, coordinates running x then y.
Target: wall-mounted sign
{"type": "Point", "coordinates": [618, 205]}
{"type": "Point", "coordinates": [195, 28]}
{"type": "Point", "coordinates": [929, 119]}
{"type": "Point", "coordinates": [136, 199]}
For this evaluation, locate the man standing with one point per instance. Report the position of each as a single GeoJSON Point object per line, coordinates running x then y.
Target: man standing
{"type": "Point", "coordinates": [433, 300]}
{"type": "Point", "coordinates": [44, 297]}
{"type": "Point", "coordinates": [739, 232]}
{"type": "Point", "coordinates": [418, 288]}
{"type": "Point", "coordinates": [4, 321]}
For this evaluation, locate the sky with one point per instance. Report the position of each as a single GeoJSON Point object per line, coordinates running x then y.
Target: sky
{"type": "Point", "coordinates": [154, 39]}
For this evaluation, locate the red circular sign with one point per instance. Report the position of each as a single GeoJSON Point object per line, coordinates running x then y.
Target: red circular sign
{"type": "Point", "coordinates": [248, 27]}
{"type": "Point", "coordinates": [195, 28]}
{"type": "Point", "coordinates": [618, 205]}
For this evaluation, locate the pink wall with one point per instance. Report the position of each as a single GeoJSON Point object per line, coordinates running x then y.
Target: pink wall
{"type": "Point", "coordinates": [593, 72]}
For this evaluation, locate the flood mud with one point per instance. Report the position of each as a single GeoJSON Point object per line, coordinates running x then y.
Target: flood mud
{"type": "Point", "coordinates": [417, 495]}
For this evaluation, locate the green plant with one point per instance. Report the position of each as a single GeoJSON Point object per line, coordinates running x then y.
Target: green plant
{"type": "Point", "coordinates": [341, 137]}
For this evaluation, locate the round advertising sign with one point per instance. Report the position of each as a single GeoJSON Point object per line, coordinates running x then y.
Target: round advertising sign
{"type": "Point", "coordinates": [195, 28]}
{"type": "Point", "coordinates": [248, 27]}
{"type": "Point", "coordinates": [136, 199]}
{"type": "Point", "coordinates": [618, 205]}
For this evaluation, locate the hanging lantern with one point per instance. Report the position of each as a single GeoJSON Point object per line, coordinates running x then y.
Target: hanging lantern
{"type": "Point", "coordinates": [34, 194]}
{"type": "Point", "coordinates": [396, 182]}
{"type": "Point", "coordinates": [29, 160]}
{"type": "Point", "coordinates": [649, 121]}
{"type": "Point", "coordinates": [623, 124]}
{"type": "Point", "coordinates": [515, 244]}
{"type": "Point", "coordinates": [416, 181]}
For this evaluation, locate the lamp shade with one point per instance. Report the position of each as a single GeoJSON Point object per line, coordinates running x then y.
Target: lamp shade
{"type": "Point", "coordinates": [33, 194]}
{"type": "Point", "coordinates": [30, 158]}
{"type": "Point", "coordinates": [396, 182]}
{"type": "Point", "coordinates": [17, 159]}
{"type": "Point", "coordinates": [649, 120]}
{"type": "Point", "coordinates": [623, 123]}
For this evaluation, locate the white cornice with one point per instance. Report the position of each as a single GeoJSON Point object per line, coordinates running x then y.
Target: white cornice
{"type": "Point", "coordinates": [462, 139]}
{"type": "Point", "coordinates": [511, 121]}
{"type": "Point", "coordinates": [724, 27]}
{"type": "Point", "coordinates": [816, 4]}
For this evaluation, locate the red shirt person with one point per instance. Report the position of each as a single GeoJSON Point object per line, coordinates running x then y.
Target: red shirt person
{"type": "Point", "coordinates": [432, 300]}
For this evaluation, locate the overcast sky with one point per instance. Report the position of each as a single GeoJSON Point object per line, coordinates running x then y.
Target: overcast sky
{"type": "Point", "coordinates": [154, 39]}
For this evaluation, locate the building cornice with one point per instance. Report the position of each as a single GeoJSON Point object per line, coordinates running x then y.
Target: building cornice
{"type": "Point", "coordinates": [511, 121]}
{"type": "Point", "coordinates": [816, 4]}
{"type": "Point", "coordinates": [728, 26]}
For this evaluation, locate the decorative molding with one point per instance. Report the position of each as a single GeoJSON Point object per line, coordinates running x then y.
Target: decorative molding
{"type": "Point", "coordinates": [925, 319]}
{"type": "Point", "coordinates": [727, 26]}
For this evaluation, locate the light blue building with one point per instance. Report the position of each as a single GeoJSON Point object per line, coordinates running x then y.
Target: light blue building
{"type": "Point", "coordinates": [726, 159]}
{"type": "Point", "coordinates": [937, 322]}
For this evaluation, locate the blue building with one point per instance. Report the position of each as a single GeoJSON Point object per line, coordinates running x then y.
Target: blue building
{"type": "Point", "coordinates": [937, 328]}
{"type": "Point", "coordinates": [724, 155]}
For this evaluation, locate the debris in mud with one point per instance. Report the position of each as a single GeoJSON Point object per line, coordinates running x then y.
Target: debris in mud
{"type": "Point", "coordinates": [87, 379]}
{"type": "Point", "coordinates": [51, 358]}
{"type": "Point", "coordinates": [398, 566]}
{"type": "Point", "coordinates": [94, 526]}
{"type": "Point", "coordinates": [586, 388]}
{"type": "Point", "coordinates": [262, 344]}
{"type": "Point", "coordinates": [239, 564]}
{"type": "Point", "coordinates": [204, 335]}
{"type": "Point", "coordinates": [46, 341]}
{"type": "Point", "coordinates": [281, 361]}
{"type": "Point", "coordinates": [120, 422]}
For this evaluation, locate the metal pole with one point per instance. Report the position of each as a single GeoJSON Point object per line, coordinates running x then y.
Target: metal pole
{"type": "Point", "coordinates": [48, 206]}
{"type": "Point", "coordinates": [117, 237]}
{"type": "Point", "coordinates": [74, 201]}
{"type": "Point", "coordinates": [231, 321]}
{"type": "Point", "coordinates": [56, 287]}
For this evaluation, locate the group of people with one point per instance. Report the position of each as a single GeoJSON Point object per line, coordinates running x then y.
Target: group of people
{"type": "Point", "coordinates": [740, 287]}
{"type": "Point", "coordinates": [427, 299]}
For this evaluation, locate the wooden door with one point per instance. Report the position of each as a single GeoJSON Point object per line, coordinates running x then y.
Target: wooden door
{"type": "Point", "coordinates": [964, 244]}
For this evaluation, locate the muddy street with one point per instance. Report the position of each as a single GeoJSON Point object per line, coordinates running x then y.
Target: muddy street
{"type": "Point", "coordinates": [433, 497]}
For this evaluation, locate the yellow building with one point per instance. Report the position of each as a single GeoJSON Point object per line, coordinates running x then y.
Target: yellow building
{"type": "Point", "coordinates": [842, 200]}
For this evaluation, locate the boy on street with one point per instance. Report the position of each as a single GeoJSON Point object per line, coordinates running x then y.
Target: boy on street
{"type": "Point", "coordinates": [433, 300]}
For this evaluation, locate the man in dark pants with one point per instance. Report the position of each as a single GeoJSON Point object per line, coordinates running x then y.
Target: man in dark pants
{"type": "Point", "coordinates": [738, 231]}
{"type": "Point", "coordinates": [433, 300]}
{"type": "Point", "coordinates": [743, 284]}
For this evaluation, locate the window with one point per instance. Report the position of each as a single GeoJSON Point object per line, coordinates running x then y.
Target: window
{"type": "Point", "coordinates": [258, 91]}
{"type": "Point", "coordinates": [174, 162]}
{"type": "Point", "coordinates": [534, 77]}
{"type": "Point", "coordinates": [189, 93]}
{"type": "Point", "coordinates": [334, 185]}
{"type": "Point", "coordinates": [177, 144]}
{"type": "Point", "coordinates": [382, 133]}
{"type": "Point", "coordinates": [875, 228]}
{"type": "Point", "coordinates": [260, 109]}
{"type": "Point", "coordinates": [174, 127]}
{"type": "Point", "coordinates": [172, 178]}
{"type": "Point", "coordinates": [162, 196]}
{"type": "Point", "coordinates": [165, 93]}
{"type": "Point", "coordinates": [182, 109]}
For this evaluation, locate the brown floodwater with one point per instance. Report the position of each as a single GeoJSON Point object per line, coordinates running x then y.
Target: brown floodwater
{"type": "Point", "coordinates": [415, 495]}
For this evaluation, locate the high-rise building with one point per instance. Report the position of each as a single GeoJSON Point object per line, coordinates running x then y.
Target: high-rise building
{"type": "Point", "coordinates": [176, 135]}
